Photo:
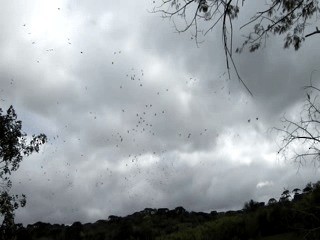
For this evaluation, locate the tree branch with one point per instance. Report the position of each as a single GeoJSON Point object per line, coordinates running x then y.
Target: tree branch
{"type": "Point", "coordinates": [315, 32]}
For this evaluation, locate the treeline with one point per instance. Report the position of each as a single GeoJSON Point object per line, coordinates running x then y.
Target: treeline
{"type": "Point", "coordinates": [296, 215]}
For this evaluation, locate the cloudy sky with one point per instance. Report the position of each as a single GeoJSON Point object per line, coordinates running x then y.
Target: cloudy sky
{"type": "Point", "coordinates": [138, 116]}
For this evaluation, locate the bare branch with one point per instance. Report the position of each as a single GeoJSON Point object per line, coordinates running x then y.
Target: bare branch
{"type": "Point", "coordinates": [302, 137]}
{"type": "Point", "coordinates": [315, 32]}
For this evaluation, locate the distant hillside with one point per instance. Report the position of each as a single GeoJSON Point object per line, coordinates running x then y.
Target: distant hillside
{"type": "Point", "coordinates": [296, 215]}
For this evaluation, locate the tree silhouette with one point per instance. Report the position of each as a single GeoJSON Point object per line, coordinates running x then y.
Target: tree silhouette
{"type": "Point", "coordinates": [301, 138]}
{"type": "Point", "coordinates": [13, 147]}
{"type": "Point", "coordinates": [308, 188]}
{"type": "Point", "coordinates": [285, 196]}
{"type": "Point", "coordinates": [296, 191]}
{"type": "Point", "coordinates": [272, 201]}
{"type": "Point", "coordinates": [250, 206]}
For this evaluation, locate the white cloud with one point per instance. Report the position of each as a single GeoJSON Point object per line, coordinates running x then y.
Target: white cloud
{"type": "Point", "coordinates": [264, 184]}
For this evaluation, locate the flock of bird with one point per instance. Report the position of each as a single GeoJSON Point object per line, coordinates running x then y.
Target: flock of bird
{"type": "Point", "coordinates": [144, 123]}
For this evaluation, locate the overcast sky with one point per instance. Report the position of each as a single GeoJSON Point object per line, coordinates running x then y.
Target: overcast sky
{"type": "Point", "coordinates": [138, 116]}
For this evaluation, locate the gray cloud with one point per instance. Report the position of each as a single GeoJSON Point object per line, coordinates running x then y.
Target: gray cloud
{"type": "Point", "coordinates": [137, 116]}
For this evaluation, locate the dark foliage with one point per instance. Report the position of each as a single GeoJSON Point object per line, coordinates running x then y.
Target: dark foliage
{"type": "Point", "coordinates": [293, 220]}
{"type": "Point", "coordinates": [13, 147]}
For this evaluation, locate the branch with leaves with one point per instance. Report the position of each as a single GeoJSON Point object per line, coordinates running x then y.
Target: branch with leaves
{"type": "Point", "coordinates": [13, 147]}
{"type": "Point", "coordinates": [281, 17]}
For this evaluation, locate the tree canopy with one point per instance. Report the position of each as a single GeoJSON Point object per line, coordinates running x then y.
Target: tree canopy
{"type": "Point", "coordinates": [293, 218]}
{"type": "Point", "coordinates": [13, 147]}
